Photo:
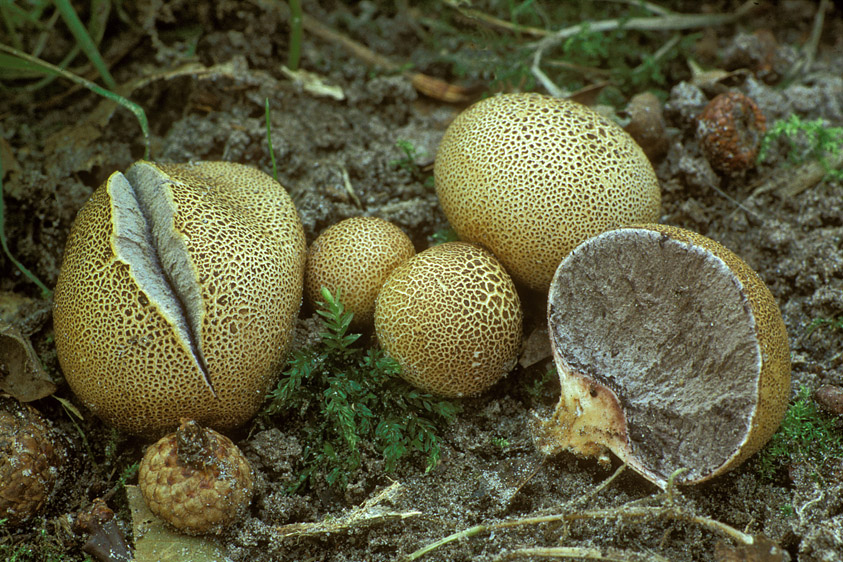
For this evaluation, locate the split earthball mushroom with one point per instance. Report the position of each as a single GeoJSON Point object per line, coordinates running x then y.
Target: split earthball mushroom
{"type": "Point", "coordinates": [178, 294]}
{"type": "Point", "coordinates": [671, 353]}
{"type": "Point", "coordinates": [530, 177]}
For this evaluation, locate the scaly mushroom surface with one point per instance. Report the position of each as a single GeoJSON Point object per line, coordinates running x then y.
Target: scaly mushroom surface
{"type": "Point", "coordinates": [354, 257]}
{"type": "Point", "coordinates": [178, 293]}
{"type": "Point", "coordinates": [451, 317]}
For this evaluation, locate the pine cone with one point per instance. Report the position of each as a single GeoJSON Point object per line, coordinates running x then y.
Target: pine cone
{"type": "Point", "coordinates": [30, 461]}
{"type": "Point", "coordinates": [196, 480]}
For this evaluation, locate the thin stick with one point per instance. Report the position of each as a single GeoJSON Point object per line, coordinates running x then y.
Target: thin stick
{"type": "Point", "coordinates": [804, 63]}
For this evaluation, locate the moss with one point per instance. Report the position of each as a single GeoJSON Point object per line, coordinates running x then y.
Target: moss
{"type": "Point", "coordinates": [352, 398]}
{"type": "Point", "coordinates": [806, 436]}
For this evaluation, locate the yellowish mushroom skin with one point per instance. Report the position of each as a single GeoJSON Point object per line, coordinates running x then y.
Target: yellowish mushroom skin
{"type": "Point", "coordinates": [354, 257]}
{"type": "Point", "coordinates": [121, 349]}
{"type": "Point", "coordinates": [452, 319]}
{"type": "Point", "coordinates": [530, 177]}
{"type": "Point", "coordinates": [774, 375]}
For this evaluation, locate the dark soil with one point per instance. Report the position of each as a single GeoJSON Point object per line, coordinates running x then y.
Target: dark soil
{"type": "Point", "coordinates": [60, 143]}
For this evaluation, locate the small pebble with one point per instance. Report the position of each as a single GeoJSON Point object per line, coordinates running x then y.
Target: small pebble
{"type": "Point", "coordinates": [830, 397]}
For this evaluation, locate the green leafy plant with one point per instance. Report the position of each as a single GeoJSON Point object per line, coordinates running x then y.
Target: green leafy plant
{"type": "Point", "coordinates": [807, 435]}
{"type": "Point", "coordinates": [805, 141]}
{"type": "Point", "coordinates": [443, 235]}
{"type": "Point", "coordinates": [409, 161]}
{"type": "Point", "coordinates": [817, 323]}
{"type": "Point", "coordinates": [355, 402]}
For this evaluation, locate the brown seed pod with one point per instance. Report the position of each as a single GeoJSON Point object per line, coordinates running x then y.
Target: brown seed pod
{"type": "Point", "coordinates": [31, 460]}
{"type": "Point", "coordinates": [354, 257]}
{"type": "Point", "coordinates": [671, 353]}
{"type": "Point", "coordinates": [730, 129]}
{"type": "Point", "coordinates": [196, 480]}
{"type": "Point", "coordinates": [452, 318]}
{"type": "Point", "coordinates": [529, 177]}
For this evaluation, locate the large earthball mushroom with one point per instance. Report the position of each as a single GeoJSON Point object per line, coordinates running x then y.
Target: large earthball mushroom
{"type": "Point", "coordinates": [530, 177]}
{"type": "Point", "coordinates": [178, 293]}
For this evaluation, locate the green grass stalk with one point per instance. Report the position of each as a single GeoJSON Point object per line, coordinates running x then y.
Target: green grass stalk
{"type": "Point", "coordinates": [45, 291]}
{"type": "Point", "coordinates": [23, 61]}
{"type": "Point", "coordinates": [269, 142]}
{"type": "Point", "coordinates": [83, 39]}
{"type": "Point", "coordinates": [294, 53]}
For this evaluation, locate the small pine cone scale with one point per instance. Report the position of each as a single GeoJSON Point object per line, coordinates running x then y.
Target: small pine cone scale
{"type": "Point", "coordinates": [196, 479]}
{"type": "Point", "coordinates": [31, 461]}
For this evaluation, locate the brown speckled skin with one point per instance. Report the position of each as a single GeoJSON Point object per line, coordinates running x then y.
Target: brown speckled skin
{"type": "Point", "coordinates": [451, 317]}
{"type": "Point", "coordinates": [355, 256]}
{"type": "Point", "coordinates": [774, 377]}
{"type": "Point", "coordinates": [531, 177]}
{"type": "Point", "coordinates": [730, 129]}
{"type": "Point", "coordinates": [120, 355]}
{"type": "Point", "coordinates": [196, 500]}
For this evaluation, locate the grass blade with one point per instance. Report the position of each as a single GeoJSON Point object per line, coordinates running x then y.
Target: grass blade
{"type": "Point", "coordinates": [29, 62]}
{"type": "Point", "coordinates": [83, 39]}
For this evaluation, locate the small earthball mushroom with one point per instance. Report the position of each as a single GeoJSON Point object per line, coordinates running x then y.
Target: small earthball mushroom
{"type": "Point", "coordinates": [671, 353]}
{"type": "Point", "coordinates": [451, 317]}
{"type": "Point", "coordinates": [354, 257]}
{"type": "Point", "coordinates": [31, 461]}
{"type": "Point", "coordinates": [178, 294]}
{"type": "Point", "coordinates": [196, 479]}
{"type": "Point", "coordinates": [529, 177]}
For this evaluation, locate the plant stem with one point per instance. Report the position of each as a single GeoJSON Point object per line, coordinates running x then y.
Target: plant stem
{"type": "Point", "coordinates": [294, 53]}
{"type": "Point", "coordinates": [30, 62]}
{"type": "Point", "coordinates": [46, 292]}
{"type": "Point", "coordinates": [269, 142]}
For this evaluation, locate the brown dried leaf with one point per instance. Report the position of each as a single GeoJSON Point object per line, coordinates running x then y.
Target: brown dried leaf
{"type": "Point", "coordinates": [21, 374]}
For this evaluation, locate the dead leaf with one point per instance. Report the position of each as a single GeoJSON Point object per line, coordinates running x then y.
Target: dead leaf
{"type": "Point", "coordinates": [536, 348]}
{"type": "Point", "coordinates": [155, 542]}
{"type": "Point", "coordinates": [314, 84]}
{"type": "Point", "coordinates": [21, 373]}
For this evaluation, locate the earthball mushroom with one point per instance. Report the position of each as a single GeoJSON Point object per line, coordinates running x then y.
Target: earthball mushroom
{"type": "Point", "coordinates": [451, 317]}
{"type": "Point", "coordinates": [530, 177]}
{"type": "Point", "coordinates": [354, 257]}
{"type": "Point", "coordinates": [671, 352]}
{"type": "Point", "coordinates": [178, 293]}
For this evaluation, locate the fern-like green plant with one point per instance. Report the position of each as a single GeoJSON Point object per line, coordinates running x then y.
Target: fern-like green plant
{"type": "Point", "coordinates": [355, 401]}
{"type": "Point", "coordinates": [805, 141]}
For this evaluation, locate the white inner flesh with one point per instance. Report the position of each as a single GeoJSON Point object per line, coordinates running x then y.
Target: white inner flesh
{"type": "Point", "coordinates": [145, 238]}
{"type": "Point", "coordinates": [668, 328]}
